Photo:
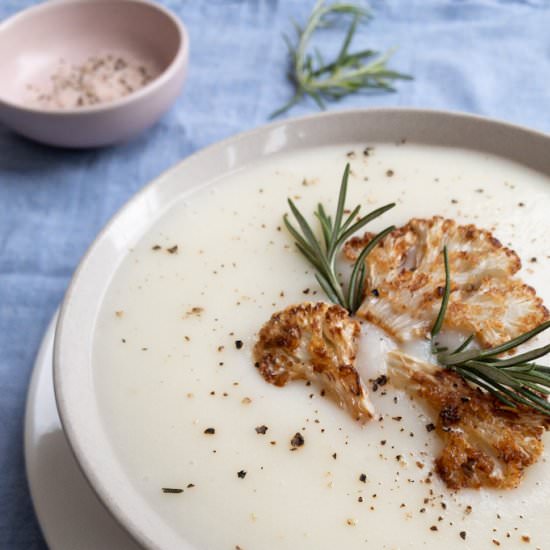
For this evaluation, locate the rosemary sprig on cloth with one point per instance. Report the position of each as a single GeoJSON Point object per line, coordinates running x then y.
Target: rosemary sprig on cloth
{"type": "Point", "coordinates": [347, 73]}
{"type": "Point", "coordinates": [516, 380]}
{"type": "Point", "coordinates": [321, 254]}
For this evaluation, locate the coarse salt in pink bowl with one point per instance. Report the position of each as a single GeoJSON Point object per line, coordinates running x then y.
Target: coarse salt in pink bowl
{"type": "Point", "coordinates": [89, 73]}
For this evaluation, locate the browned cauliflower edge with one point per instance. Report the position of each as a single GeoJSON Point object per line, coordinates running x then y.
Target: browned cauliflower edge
{"type": "Point", "coordinates": [405, 280]}
{"type": "Point", "coordinates": [315, 342]}
{"type": "Point", "coordinates": [485, 443]}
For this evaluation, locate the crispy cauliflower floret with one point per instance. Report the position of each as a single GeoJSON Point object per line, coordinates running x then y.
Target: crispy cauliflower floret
{"type": "Point", "coordinates": [315, 342]}
{"type": "Point", "coordinates": [406, 277]}
{"type": "Point", "coordinates": [486, 444]}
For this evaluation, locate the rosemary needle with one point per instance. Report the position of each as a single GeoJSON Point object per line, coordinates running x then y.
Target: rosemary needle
{"type": "Point", "coordinates": [321, 254]}
{"type": "Point", "coordinates": [347, 73]}
{"type": "Point", "coordinates": [516, 380]}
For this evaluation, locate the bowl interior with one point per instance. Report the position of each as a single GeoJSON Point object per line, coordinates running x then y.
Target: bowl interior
{"type": "Point", "coordinates": [52, 37]}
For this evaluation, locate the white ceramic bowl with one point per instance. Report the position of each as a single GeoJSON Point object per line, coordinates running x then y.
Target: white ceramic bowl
{"type": "Point", "coordinates": [77, 402]}
{"type": "Point", "coordinates": [34, 42]}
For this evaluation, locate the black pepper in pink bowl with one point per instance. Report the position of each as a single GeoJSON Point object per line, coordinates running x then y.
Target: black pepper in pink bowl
{"type": "Point", "coordinates": [87, 74]}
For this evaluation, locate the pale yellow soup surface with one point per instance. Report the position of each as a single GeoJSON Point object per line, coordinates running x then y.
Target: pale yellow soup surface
{"type": "Point", "coordinates": [168, 368]}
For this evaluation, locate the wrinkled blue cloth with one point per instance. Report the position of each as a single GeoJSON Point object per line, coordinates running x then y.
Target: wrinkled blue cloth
{"type": "Point", "coordinates": [490, 57]}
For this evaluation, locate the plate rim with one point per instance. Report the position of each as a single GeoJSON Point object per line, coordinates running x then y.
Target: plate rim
{"type": "Point", "coordinates": [89, 520]}
{"type": "Point", "coordinates": [28, 425]}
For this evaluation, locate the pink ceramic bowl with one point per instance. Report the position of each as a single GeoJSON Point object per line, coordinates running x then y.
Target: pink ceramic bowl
{"type": "Point", "coordinates": [54, 37]}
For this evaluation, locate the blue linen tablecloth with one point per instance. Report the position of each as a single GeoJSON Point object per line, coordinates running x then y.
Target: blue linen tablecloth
{"type": "Point", "coordinates": [490, 57]}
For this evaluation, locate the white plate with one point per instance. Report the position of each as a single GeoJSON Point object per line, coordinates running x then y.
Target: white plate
{"type": "Point", "coordinates": [75, 392]}
{"type": "Point", "coordinates": [69, 513]}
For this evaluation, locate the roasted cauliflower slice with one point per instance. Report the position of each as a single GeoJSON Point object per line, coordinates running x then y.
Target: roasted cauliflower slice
{"type": "Point", "coordinates": [406, 277]}
{"type": "Point", "coordinates": [486, 444]}
{"type": "Point", "coordinates": [315, 342]}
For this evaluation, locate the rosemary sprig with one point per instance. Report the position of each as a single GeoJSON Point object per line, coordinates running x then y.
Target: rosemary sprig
{"type": "Point", "coordinates": [321, 254]}
{"type": "Point", "coordinates": [347, 73]}
{"type": "Point", "coordinates": [444, 302]}
{"type": "Point", "coordinates": [516, 380]}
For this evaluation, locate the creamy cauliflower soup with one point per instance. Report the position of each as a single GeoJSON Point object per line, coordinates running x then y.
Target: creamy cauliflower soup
{"type": "Point", "coordinates": [231, 462]}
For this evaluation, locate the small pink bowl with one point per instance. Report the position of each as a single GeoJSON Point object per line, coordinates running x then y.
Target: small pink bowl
{"type": "Point", "coordinates": [35, 42]}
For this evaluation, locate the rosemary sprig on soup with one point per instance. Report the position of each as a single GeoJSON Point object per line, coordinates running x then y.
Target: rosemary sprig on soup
{"type": "Point", "coordinates": [516, 380]}
{"type": "Point", "coordinates": [321, 254]}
